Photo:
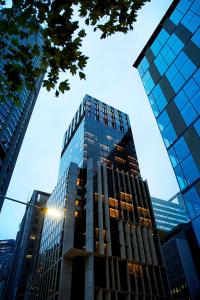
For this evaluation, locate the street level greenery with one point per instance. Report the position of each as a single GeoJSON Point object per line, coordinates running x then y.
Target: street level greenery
{"type": "Point", "coordinates": [59, 23]}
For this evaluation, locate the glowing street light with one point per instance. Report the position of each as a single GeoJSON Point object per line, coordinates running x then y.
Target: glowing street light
{"type": "Point", "coordinates": [51, 212]}
{"type": "Point", "coordinates": [54, 213]}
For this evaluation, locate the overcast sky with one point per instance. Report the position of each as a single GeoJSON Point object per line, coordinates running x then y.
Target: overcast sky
{"type": "Point", "coordinates": [112, 79]}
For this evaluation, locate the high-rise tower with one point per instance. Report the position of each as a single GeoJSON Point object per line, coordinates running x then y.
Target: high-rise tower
{"type": "Point", "coordinates": [106, 245]}
{"type": "Point", "coordinates": [169, 69]}
{"type": "Point", "coordinates": [14, 119]}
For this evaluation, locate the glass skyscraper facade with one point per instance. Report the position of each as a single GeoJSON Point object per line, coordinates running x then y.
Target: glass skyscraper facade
{"type": "Point", "coordinates": [169, 214]}
{"type": "Point", "coordinates": [106, 246]}
{"type": "Point", "coordinates": [169, 68]}
{"type": "Point", "coordinates": [7, 249]}
{"type": "Point", "coordinates": [97, 131]}
{"type": "Point", "coordinates": [14, 119]}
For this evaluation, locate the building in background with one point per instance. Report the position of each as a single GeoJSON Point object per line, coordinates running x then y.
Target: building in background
{"type": "Point", "coordinates": [14, 119]}
{"type": "Point", "coordinates": [169, 69]}
{"type": "Point", "coordinates": [27, 247]}
{"type": "Point", "coordinates": [7, 249]}
{"type": "Point", "coordinates": [106, 246]}
{"type": "Point", "coordinates": [181, 254]}
{"type": "Point", "coordinates": [169, 214]}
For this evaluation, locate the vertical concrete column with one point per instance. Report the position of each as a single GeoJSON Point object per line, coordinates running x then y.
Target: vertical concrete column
{"type": "Point", "coordinates": [89, 208]}
{"type": "Point", "coordinates": [100, 209]}
{"type": "Point", "coordinates": [149, 281]}
{"type": "Point", "coordinates": [89, 278]}
{"type": "Point", "coordinates": [140, 243]}
{"type": "Point", "coordinates": [112, 273]}
{"type": "Point", "coordinates": [155, 280]}
{"type": "Point", "coordinates": [145, 195]}
{"type": "Point", "coordinates": [162, 288]}
{"type": "Point", "coordinates": [121, 239]}
{"type": "Point", "coordinates": [134, 189]}
{"type": "Point", "coordinates": [65, 280]}
{"type": "Point", "coordinates": [143, 285]}
{"type": "Point", "coordinates": [117, 274]}
{"type": "Point", "coordinates": [107, 274]}
{"type": "Point", "coordinates": [68, 238]}
{"type": "Point", "coordinates": [128, 241]}
{"type": "Point", "coordinates": [99, 295]}
{"type": "Point", "coordinates": [152, 248]}
{"type": "Point", "coordinates": [106, 211]}
{"type": "Point", "coordinates": [130, 192]}
{"type": "Point", "coordinates": [135, 244]}
{"type": "Point", "coordinates": [146, 245]}
{"type": "Point", "coordinates": [141, 202]}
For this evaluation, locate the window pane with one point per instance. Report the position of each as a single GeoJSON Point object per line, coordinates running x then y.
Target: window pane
{"type": "Point", "coordinates": [192, 202]}
{"type": "Point", "coordinates": [163, 36]}
{"type": "Point", "coordinates": [191, 88]}
{"type": "Point", "coordinates": [161, 64]}
{"type": "Point", "coordinates": [177, 82]}
{"type": "Point", "coordinates": [191, 21]}
{"type": "Point", "coordinates": [155, 47]}
{"type": "Point", "coordinates": [181, 149]}
{"type": "Point", "coordinates": [181, 60]}
{"type": "Point", "coordinates": [188, 113]}
{"type": "Point", "coordinates": [196, 38]}
{"type": "Point", "coordinates": [163, 120]}
{"type": "Point", "coordinates": [173, 157]}
{"type": "Point", "coordinates": [169, 135]}
{"type": "Point", "coordinates": [196, 102]}
{"type": "Point", "coordinates": [176, 16]}
{"type": "Point", "coordinates": [190, 169]}
{"type": "Point", "coordinates": [188, 69]}
{"type": "Point", "coordinates": [183, 6]}
{"type": "Point", "coordinates": [180, 177]}
{"type": "Point", "coordinates": [181, 100]}
{"type": "Point", "coordinates": [197, 126]}
{"type": "Point", "coordinates": [161, 103]}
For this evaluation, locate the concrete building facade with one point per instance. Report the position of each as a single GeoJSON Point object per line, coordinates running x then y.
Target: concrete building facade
{"type": "Point", "coordinates": [106, 246]}
{"type": "Point", "coordinates": [27, 247]}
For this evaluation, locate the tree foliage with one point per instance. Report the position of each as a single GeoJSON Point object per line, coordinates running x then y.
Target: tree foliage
{"type": "Point", "coordinates": [59, 23]}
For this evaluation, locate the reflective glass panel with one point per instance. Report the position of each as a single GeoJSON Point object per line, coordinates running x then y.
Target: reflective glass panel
{"type": "Point", "coordinates": [190, 169]}
{"type": "Point", "coordinates": [181, 149]}
{"type": "Point", "coordinates": [180, 177]}
{"type": "Point", "coordinates": [188, 113]}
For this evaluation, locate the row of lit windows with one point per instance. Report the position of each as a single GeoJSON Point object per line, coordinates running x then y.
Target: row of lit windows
{"type": "Point", "coordinates": [103, 107]}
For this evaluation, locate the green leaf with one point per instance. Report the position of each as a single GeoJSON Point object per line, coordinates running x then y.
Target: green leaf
{"type": "Point", "coordinates": [82, 75]}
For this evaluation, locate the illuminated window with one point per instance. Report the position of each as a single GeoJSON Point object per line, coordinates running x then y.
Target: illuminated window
{"type": "Point", "coordinates": [120, 160]}
{"type": "Point", "coordinates": [77, 214]}
{"type": "Point", "coordinates": [113, 202]}
{"type": "Point", "coordinates": [126, 196]}
{"type": "Point", "coordinates": [32, 237]}
{"type": "Point", "coordinates": [28, 256]}
{"type": "Point", "coordinates": [119, 148]}
{"type": "Point", "coordinates": [134, 268]}
{"type": "Point", "coordinates": [114, 213]}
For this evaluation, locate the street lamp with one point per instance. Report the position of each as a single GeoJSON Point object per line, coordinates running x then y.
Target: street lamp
{"type": "Point", "coordinates": [52, 212]}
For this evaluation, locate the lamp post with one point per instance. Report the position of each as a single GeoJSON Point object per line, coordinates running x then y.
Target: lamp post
{"type": "Point", "coordinates": [48, 211]}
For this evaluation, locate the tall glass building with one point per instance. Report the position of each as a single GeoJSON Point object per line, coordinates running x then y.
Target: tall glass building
{"type": "Point", "coordinates": [7, 249]}
{"type": "Point", "coordinates": [14, 119]}
{"type": "Point", "coordinates": [170, 213]}
{"type": "Point", "coordinates": [106, 245]}
{"type": "Point", "coordinates": [169, 68]}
